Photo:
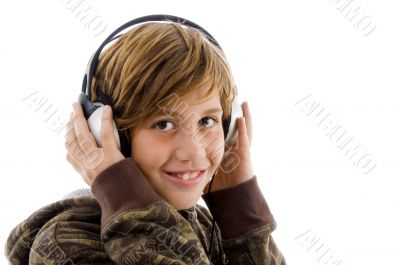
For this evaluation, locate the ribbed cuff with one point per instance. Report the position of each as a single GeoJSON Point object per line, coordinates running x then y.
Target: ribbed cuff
{"type": "Point", "coordinates": [239, 209]}
{"type": "Point", "coordinates": [121, 187]}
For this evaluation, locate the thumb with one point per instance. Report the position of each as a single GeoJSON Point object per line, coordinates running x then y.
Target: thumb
{"type": "Point", "coordinates": [107, 129]}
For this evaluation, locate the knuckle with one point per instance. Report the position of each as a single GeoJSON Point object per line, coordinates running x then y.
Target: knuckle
{"type": "Point", "coordinates": [70, 131]}
{"type": "Point", "coordinates": [81, 137]}
{"type": "Point", "coordinates": [88, 149]}
{"type": "Point", "coordinates": [69, 144]}
{"type": "Point", "coordinates": [85, 144]}
{"type": "Point", "coordinates": [75, 150]}
{"type": "Point", "coordinates": [78, 155]}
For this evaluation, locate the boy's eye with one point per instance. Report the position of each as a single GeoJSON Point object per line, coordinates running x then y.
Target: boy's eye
{"type": "Point", "coordinates": [164, 125]}
{"type": "Point", "coordinates": [210, 123]}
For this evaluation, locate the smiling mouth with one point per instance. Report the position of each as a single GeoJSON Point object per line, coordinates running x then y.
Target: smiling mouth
{"type": "Point", "coordinates": [186, 175]}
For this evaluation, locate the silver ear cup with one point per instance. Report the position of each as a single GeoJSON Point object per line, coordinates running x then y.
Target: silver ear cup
{"type": "Point", "coordinates": [94, 123]}
{"type": "Point", "coordinates": [236, 113]}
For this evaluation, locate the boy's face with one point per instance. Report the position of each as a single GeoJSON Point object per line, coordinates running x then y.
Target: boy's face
{"type": "Point", "coordinates": [190, 142]}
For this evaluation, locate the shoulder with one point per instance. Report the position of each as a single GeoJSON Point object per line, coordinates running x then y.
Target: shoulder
{"type": "Point", "coordinates": [42, 230]}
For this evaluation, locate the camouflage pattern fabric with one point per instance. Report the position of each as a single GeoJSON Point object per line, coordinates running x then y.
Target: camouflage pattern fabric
{"type": "Point", "coordinates": [68, 232]}
{"type": "Point", "coordinates": [104, 229]}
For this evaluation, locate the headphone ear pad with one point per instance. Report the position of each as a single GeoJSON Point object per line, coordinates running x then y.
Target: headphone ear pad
{"type": "Point", "coordinates": [93, 113]}
{"type": "Point", "coordinates": [94, 123]}
{"type": "Point", "coordinates": [231, 133]}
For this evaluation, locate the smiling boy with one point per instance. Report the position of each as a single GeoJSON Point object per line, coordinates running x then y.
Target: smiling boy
{"type": "Point", "coordinates": [147, 198]}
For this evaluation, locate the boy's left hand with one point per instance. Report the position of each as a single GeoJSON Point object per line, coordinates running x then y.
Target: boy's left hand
{"type": "Point", "coordinates": [88, 159]}
{"type": "Point", "coordinates": [236, 165]}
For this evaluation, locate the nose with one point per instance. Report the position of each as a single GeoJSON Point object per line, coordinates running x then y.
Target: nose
{"type": "Point", "coordinates": [188, 147]}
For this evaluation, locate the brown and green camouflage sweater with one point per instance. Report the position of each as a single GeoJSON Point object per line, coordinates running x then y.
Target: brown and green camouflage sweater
{"type": "Point", "coordinates": [127, 222]}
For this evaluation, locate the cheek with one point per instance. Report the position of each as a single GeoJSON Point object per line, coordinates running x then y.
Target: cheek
{"type": "Point", "coordinates": [147, 153]}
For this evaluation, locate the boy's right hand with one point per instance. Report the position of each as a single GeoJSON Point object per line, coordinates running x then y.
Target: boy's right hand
{"type": "Point", "coordinates": [88, 159]}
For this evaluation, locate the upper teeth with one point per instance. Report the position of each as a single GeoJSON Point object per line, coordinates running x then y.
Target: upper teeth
{"type": "Point", "coordinates": [187, 175]}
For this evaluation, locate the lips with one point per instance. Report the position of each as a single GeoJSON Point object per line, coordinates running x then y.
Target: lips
{"type": "Point", "coordinates": [193, 178]}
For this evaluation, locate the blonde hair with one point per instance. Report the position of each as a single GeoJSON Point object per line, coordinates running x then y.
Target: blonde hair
{"type": "Point", "coordinates": [153, 61]}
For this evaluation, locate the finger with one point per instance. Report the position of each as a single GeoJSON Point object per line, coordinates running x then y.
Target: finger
{"type": "Point", "coordinates": [69, 135]}
{"type": "Point", "coordinates": [85, 137]}
{"type": "Point", "coordinates": [71, 143]}
{"type": "Point", "coordinates": [74, 149]}
{"type": "Point", "coordinates": [236, 145]}
{"type": "Point", "coordinates": [107, 129]}
{"type": "Point", "coordinates": [243, 137]}
{"type": "Point", "coordinates": [249, 124]}
{"type": "Point", "coordinates": [69, 131]}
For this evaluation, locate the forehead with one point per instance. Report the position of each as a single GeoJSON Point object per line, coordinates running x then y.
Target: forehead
{"type": "Point", "coordinates": [193, 103]}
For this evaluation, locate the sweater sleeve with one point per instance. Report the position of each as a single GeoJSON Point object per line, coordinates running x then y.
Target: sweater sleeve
{"type": "Point", "coordinates": [246, 224]}
{"type": "Point", "coordinates": [137, 225]}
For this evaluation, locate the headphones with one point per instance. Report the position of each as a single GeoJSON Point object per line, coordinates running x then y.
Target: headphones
{"type": "Point", "coordinates": [93, 110]}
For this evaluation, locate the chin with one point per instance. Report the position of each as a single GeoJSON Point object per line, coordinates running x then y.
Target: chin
{"type": "Point", "coordinates": [185, 204]}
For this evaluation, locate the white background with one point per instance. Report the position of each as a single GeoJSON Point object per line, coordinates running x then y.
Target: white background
{"type": "Point", "coordinates": [280, 52]}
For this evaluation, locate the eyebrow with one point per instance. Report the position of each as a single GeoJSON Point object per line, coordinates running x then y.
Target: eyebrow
{"type": "Point", "coordinates": [207, 112]}
{"type": "Point", "coordinates": [213, 110]}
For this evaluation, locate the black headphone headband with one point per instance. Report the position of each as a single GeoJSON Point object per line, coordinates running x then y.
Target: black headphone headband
{"type": "Point", "coordinates": [92, 65]}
